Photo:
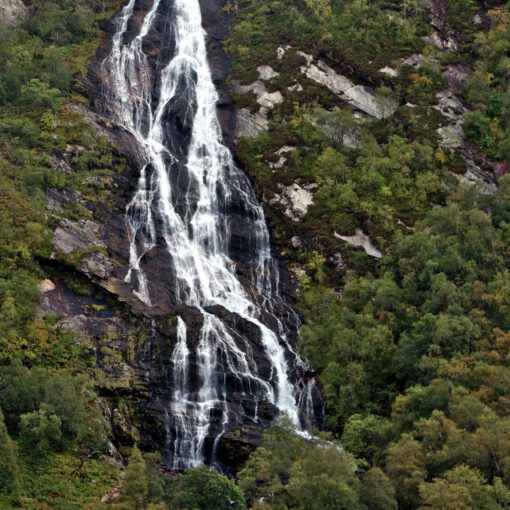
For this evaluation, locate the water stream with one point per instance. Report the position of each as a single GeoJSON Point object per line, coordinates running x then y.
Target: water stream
{"type": "Point", "coordinates": [196, 229]}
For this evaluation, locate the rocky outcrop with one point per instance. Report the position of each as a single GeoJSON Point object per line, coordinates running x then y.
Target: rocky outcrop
{"type": "Point", "coordinates": [296, 199]}
{"type": "Point", "coordinates": [450, 100]}
{"type": "Point", "coordinates": [456, 76]}
{"type": "Point", "coordinates": [358, 96]}
{"type": "Point", "coordinates": [115, 336]}
{"type": "Point", "coordinates": [267, 73]}
{"type": "Point", "coordinates": [452, 135]}
{"type": "Point", "coordinates": [390, 71]}
{"type": "Point", "coordinates": [441, 42]}
{"type": "Point", "coordinates": [282, 154]}
{"type": "Point", "coordinates": [438, 12]}
{"type": "Point", "coordinates": [12, 12]}
{"type": "Point", "coordinates": [361, 240]}
{"type": "Point", "coordinates": [70, 237]}
{"type": "Point", "coordinates": [416, 60]}
{"type": "Point", "coordinates": [248, 123]}
{"type": "Point", "coordinates": [364, 99]}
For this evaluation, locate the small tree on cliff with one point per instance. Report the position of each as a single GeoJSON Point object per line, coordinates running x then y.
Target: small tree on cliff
{"type": "Point", "coordinates": [136, 485]}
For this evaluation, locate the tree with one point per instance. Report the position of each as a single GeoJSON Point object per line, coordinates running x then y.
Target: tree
{"type": "Point", "coordinates": [40, 433]}
{"type": "Point", "coordinates": [204, 489]}
{"type": "Point", "coordinates": [406, 469]}
{"type": "Point", "coordinates": [39, 96]}
{"type": "Point", "coordinates": [336, 124]}
{"type": "Point", "coordinates": [320, 8]}
{"type": "Point", "coordinates": [377, 492]}
{"type": "Point", "coordinates": [61, 24]}
{"type": "Point", "coordinates": [461, 488]}
{"type": "Point", "coordinates": [63, 398]}
{"type": "Point", "coordinates": [324, 478]}
{"type": "Point", "coordinates": [144, 485]}
{"type": "Point", "coordinates": [365, 435]}
{"type": "Point", "coordinates": [24, 392]}
{"type": "Point", "coordinates": [267, 471]}
{"type": "Point", "coordinates": [157, 483]}
{"type": "Point", "coordinates": [8, 459]}
{"type": "Point", "coordinates": [490, 442]}
{"type": "Point", "coordinates": [136, 485]}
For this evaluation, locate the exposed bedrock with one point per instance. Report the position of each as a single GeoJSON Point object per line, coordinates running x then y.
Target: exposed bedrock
{"type": "Point", "coordinates": [177, 123]}
{"type": "Point", "coordinates": [135, 343]}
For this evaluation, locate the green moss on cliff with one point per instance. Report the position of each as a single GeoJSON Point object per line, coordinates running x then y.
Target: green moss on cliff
{"type": "Point", "coordinates": [45, 144]}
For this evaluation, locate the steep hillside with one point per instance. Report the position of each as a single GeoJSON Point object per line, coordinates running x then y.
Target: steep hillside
{"type": "Point", "coordinates": [376, 135]}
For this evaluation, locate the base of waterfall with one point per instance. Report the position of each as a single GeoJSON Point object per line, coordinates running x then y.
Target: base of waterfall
{"type": "Point", "coordinates": [216, 359]}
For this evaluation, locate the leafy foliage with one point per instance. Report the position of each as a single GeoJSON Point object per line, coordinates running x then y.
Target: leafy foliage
{"type": "Point", "coordinates": [290, 472]}
{"type": "Point", "coordinates": [8, 459]}
{"type": "Point", "coordinates": [488, 125]}
{"type": "Point", "coordinates": [54, 431]}
{"type": "Point", "coordinates": [412, 351]}
{"type": "Point", "coordinates": [204, 489]}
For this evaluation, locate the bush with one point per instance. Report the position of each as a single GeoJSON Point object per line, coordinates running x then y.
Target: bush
{"type": "Point", "coordinates": [39, 96]}
{"type": "Point", "coordinates": [40, 433]}
{"type": "Point", "coordinates": [136, 485]}
{"type": "Point", "coordinates": [48, 410]}
{"type": "Point", "coordinates": [61, 24]}
{"type": "Point", "coordinates": [8, 460]}
{"type": "Point", "coordinates": [204, 489]}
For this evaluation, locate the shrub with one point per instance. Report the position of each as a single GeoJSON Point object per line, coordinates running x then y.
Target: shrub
{"type": "Point", "coordinates": [204, 489]}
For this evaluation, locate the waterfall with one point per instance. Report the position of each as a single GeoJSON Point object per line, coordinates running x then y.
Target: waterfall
{"type": "Point", "coordinates": [195, 225]}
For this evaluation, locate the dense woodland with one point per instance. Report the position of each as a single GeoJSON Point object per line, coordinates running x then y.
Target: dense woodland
{"type": "Point", "coordinates": [412, 351]}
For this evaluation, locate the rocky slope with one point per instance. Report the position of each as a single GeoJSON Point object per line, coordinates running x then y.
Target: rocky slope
{"type": "Point", "coordinates": [134, 343]}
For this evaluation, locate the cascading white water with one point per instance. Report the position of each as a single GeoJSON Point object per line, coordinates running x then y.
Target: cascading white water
{"type": "Point", "coordinates": [197, 237]}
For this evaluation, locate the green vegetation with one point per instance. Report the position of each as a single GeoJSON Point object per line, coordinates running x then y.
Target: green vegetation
{"type": "Point", "coordinates": [207, 490]}
{"type": "Point", "coordinates": [412, 351]}
{"type": "Point", "coordinates": [488, 124]}
{"type": "Point", "coordinates": [413, 360]}
{"type": "Point", "coordinates": [40, 63]}
{"type": "Point", "coordinates": [53, 435]}
{"type": "Point", "coordinates": [390, 171]}
{"type": "Point", "coordinates": [345, 31]}
{"type": "Point", "coordinates": [146, 488]}
{"type": "Point", "coordinates": [288, 471]}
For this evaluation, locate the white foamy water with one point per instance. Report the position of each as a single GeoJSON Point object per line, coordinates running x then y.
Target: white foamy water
{"type": "Point", "coordinates": [197, 239]}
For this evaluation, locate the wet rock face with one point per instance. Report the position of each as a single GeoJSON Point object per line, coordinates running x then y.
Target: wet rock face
{"type": "Point", "coordinates": [178, 116]}
{"type": "Point", "coordinates": [140, 376]}
{"type": "Point", "coordinates": [159, 46]}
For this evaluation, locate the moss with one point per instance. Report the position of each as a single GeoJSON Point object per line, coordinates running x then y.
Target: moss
{"type": "Point", "coordinates": [78, 284]}
{"type": "Point", "coordinates": [66, 481]}
{"type": "Point", "coordinates": [248, 100]}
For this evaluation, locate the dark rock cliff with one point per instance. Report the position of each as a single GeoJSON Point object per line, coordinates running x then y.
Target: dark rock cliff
{"type": "Point", "coordinates": [134, 343]}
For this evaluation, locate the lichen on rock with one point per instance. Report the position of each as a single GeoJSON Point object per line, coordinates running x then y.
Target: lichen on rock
{"type": "Point", "coordinates": [12, 12]}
